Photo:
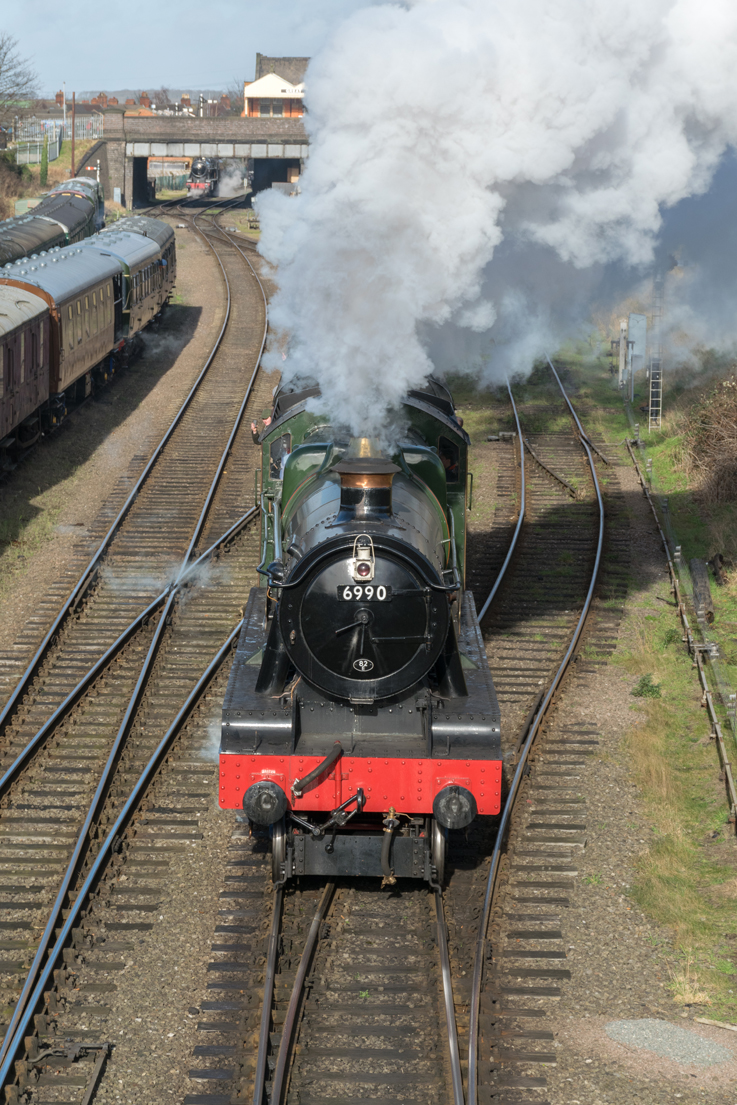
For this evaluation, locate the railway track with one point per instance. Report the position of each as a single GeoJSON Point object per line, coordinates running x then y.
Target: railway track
{"type": "Point", "coordinates": [394, 996]}
{"type": "Point", "coordinates": [521, 957]}
{"type": "Point", "coordinates": [126, 651]}
{"type": "Point", "coordinates": [318, 994]}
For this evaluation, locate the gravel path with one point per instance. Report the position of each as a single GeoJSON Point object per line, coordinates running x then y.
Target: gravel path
{"type": "Point", "coordinates": [668, 1040]}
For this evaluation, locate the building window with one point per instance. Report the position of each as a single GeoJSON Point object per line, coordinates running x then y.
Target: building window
{"type": "Point", "coordinates": [269, 108]}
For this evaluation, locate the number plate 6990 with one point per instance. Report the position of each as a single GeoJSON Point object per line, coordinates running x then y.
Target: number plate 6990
{"type": "Point", "coordinates": [365, 592]}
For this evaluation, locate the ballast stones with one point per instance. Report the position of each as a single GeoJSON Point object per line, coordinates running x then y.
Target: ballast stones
{"type": "Point", "coordinates": [669, 1041]}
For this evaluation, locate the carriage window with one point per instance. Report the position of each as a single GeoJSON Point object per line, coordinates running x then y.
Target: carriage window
{"type": "Point", "coordinates": [23, 357]}
{"type": "Point", "coordinates": [41, 343]}
{"type": "Point", "coordinates": [448, 453]}
{"type": "Point", "coordinates": [78, 322]}
{"type": "Point", "coordinates": [87, 316]}
{"type": "Point", "coordinates": [11, 369]}
{"type": "Point", "coordinates": [70, 328]}
{"type": "Point", "coordinates": [94, 312]}
{"type": "Point", "coordinates": [34, 353]}
{"type": "Point", "coordinates": [278, 453]}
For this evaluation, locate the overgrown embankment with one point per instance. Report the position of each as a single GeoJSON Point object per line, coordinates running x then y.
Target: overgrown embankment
{"type": "Point", "coordinates": [23, 181]}
{"type": "Point", "coordinates": [14, 180]}
{"type": "Point", "coordinates": [687, 879]}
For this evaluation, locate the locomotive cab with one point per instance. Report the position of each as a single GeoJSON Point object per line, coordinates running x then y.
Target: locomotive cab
{"type": "Point", "coordinates": [360, 721]}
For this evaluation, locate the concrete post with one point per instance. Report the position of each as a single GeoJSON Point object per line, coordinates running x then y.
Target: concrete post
{"type": "Point", "coordinates": [622, 350]}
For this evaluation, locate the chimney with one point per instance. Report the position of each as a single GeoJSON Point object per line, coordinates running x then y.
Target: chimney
{"type": "Point", "coordinates": [365, 488]}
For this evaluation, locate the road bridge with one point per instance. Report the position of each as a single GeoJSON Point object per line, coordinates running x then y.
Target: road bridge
{"type": "Point", "coordinates": [274, 144]}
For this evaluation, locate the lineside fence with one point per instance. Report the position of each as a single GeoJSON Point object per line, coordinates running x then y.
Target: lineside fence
{"type": "Point", "coordinates": [31, 153]}
{"type": "Point", "coordinates": [35, 130]}
{"type": "Point", "coordinates": [703, 650]}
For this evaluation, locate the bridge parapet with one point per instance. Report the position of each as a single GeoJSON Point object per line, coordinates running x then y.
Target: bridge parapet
{"type": "Point", "coordinates": [130, 137]}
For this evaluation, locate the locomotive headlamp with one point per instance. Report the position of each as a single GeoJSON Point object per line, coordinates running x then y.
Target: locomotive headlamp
{"type": "Point", "coordinates": [264, 802]}
{"type": "Point", "coordinates": [454, 807]}
{"type": "Point", "coordinates": [363, 561]}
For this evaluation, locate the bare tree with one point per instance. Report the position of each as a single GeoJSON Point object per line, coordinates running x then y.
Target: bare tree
{"type": "Point", "coordinates": [161, 98]}
{"type": "Point", "coordinates": [17, 78]}
{"type": "Point", "coordinates": [235, 93]}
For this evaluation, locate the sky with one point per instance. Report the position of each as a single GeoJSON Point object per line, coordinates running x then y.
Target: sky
{"type": "Point", "coordinates": [145, 45]}
{"type": "Point", "coordinates": [569, 147]}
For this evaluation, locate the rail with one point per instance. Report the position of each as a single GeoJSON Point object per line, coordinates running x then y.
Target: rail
{"type": "Point", "coordinates": [290, 1020]}
{"type": "Point", "coordinates": [88, 574]}
{"type": "Point", "coordinates": [276, 1093]}
{"type": "Point", "coordinates": [480, 952]}
{"type": "Point", "coordinates": [520, 518]}
{"type": "Point", "coordinates": [12, 1042]}
{"type": "Point", "coordinates": [696, 651]}
{"type": "Point", "coordinates": [268, 998]}
{"type": "Point", "coordinates": [15, 1046]}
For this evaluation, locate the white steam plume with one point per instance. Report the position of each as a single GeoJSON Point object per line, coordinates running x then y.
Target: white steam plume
{"type": "Point", "coordinates": [459, 150]}
{"type": "Point", "coordinates": [231, 180]}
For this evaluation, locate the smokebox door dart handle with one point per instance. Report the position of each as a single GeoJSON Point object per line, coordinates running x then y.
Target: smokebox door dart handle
{"type": "Point", "coordinates": [360, 623]}
{"type": "Point", "coordinates": [300, 785]}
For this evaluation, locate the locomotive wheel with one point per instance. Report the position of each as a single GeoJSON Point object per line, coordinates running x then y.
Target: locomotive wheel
{"type": "Point", "coordinates": [438, 845]}
{"type": "Point", "coordinates": [278, 849]}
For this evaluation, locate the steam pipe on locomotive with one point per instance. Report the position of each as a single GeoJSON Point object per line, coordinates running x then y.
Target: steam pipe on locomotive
{"type": "Point", "coordinates": [360, 688]}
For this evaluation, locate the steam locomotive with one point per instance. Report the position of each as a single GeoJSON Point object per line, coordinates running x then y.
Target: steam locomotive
{"type": "Point", "coordinates": [360, 721]}
{"type": "Point", "coordinates": [204, 177]}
